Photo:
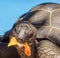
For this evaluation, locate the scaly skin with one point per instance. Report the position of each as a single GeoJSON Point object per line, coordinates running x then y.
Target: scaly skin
{"type": "Point", "coordinates": [47, 49]}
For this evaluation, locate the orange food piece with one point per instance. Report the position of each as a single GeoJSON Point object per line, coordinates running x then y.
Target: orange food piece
{"type": "Point", "coordinates": [27, 49]}
{"type": "Point", "coordinates": [13, 41]}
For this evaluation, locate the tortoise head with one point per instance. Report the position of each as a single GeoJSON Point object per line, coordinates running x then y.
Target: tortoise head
{"type": "Point", "coordinates": [22, 34]}
{"type": "Point", "coordinates": [24, 31]}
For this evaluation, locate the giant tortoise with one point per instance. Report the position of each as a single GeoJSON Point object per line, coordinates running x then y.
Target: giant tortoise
{"type": "Point", "coordinates": [45, 17]}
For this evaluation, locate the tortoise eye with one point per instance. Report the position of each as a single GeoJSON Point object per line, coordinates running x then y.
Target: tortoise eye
{"type": "Point", "coordinates": [31, 35]}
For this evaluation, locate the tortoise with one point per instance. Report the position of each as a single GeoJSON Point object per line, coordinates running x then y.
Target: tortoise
{"type": "Point", "coordinates": [46, 18]}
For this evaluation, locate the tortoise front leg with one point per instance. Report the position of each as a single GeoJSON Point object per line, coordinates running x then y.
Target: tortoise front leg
{"type": "Point", "coordinates": [47, 49]}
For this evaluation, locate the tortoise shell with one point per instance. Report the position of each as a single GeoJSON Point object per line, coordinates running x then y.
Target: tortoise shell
{"type": "Point", "coordinates": [47, 19]}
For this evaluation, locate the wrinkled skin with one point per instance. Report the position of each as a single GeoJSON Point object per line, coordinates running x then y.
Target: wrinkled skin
{"type": "Point", "coordinates": [47, 49]}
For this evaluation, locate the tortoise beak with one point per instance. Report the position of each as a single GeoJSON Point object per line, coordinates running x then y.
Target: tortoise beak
{"type": "Point", "coordinates": [14, 42]}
